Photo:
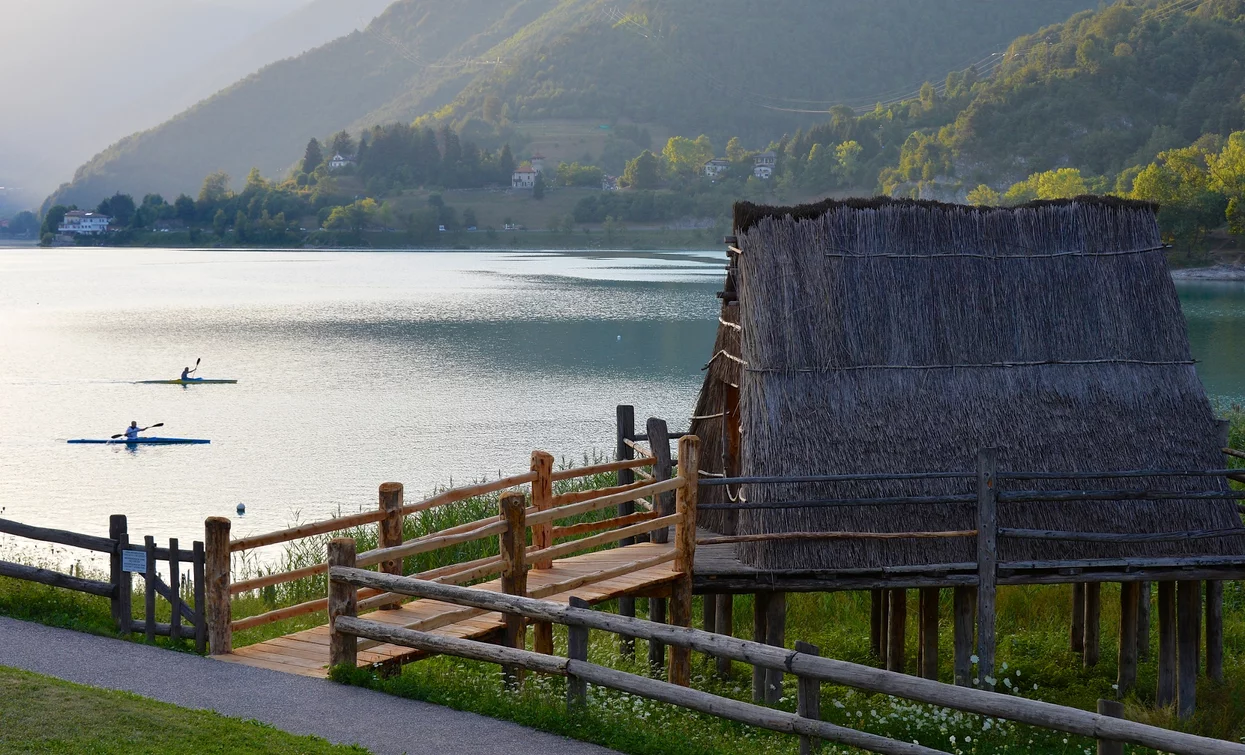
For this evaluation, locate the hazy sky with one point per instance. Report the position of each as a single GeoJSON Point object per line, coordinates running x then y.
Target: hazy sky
{"type": "Point", "coordinates": [78, 75]}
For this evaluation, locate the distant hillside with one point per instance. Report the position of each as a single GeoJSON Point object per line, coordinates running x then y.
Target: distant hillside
{"type": "Point", "coordinates": [1101, 92]}
{"type": "Point", "coordinates": [749, 67]}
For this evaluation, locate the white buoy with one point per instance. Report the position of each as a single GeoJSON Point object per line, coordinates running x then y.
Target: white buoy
{"type": "Point", "coordinates": [620, 338]}
{"type": "Point", "coordinates": [241, 509]}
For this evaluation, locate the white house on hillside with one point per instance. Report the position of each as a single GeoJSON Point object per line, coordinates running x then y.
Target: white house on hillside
{"type": "Point", "coordinates": [339, 162]}
{"type": "Point", "coordinates": [764, 164]}
{"type": "Point", "coordinates": [538, 162]}
{"type": "Point", "coordinates": [523, 178]}
{"type": "Point", "coordinates": [717, 166]}
{"type": "Point", "coordinates": [84, 223]}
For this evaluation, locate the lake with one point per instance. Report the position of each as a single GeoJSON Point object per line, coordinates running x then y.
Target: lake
{"type": "Point", "coordinates": [356, 368]}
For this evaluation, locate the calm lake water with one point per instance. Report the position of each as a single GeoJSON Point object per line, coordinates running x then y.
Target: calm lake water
{"type": "Point", "coordinates": [356, 368]}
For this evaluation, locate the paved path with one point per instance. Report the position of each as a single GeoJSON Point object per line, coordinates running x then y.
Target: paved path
{"type": "Point", "coordinates": [347, 715]}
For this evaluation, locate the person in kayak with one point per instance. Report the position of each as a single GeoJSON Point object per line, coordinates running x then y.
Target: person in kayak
{"type": "Point", "coordinates": [131, 432]}
{"type": "Point", "coordinates": [186, 372]}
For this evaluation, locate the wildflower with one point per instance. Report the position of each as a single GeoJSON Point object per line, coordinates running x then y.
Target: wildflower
{"type": "Point", "coordinates": [1004, 665]}
{"type": "Point", "coordinates": [974, 659]}
{"type": "Point", "coordinates": [1007, 682]}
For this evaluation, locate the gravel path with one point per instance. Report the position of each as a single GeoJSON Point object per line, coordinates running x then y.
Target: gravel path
{"type": "Point", "coordinates": [346, 715]}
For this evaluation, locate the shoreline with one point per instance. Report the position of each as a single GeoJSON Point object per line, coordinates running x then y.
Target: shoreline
{"type": "Point", "coordinates": [1220, 272]}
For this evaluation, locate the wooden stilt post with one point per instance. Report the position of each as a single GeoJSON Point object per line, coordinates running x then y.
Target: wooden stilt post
{"type": "Point", "coordinates": [1188, 613]}
{"type": "Point", "coordinates": [216, 568]}
{"type": "Point", "coordinates": [1214, 630]}
{"type": "Point", "coordinates": [965, 605]}
{"type": "Point", "coordinates": [876, 601]}
{"type": "Point", "coordinates": [1078, 617]}
{"type": "Point", "coordinates": [1113, 709]}
{"type": "Point", "coordinates": [725, 624]}
{"type": "Point", "coordinates": [656, 649]}
{"type": "Point", "coordinates": [808, 700]}
{"type": "Point", "coordinates": [987, 561]}
{"type": "Point", "coordinates": [896, 634]}
{"type": "Point", "coordinates": [625, 430]}
{"type": "Point", "coordinates": [390, 530]}
{"type": "Point", "coordinates": [1126, 675]}
{"type": "Point", "coordinates": [1093, 624]}
{"type": "Point", "coordinates": [709, 615]}
{"type": "Point", "coordinates": [929, 633]}
{"type": "Point", "coordinates": [514, 575]}
{"type": "Point", "coordinates": [760, 615]}
{"type": "Point", "coordinates": [343, 601]}
{"type": "Point", "coordinates": [542, 537]}
{"type": "Point", "coordinates": [1143, 621]}
{"type": "Point", "coordinates": [685, 555]}
{"type": "Point", "coordinates": [920, 632]}
{"type": "Point", "coordinates": [122, 610]}
{"type": "Point", "coordinates": [1166, 692]}
{"type": "Point", "coordinates": [577, 650]}
{"type": "Point", "coordinates": [884, 626]}
{"type": "Point", "coordinates": [775, 635]}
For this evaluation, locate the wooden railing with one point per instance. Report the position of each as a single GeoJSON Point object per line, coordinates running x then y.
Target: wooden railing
{"type": "Point", "coordinates": [804, 662]}
{"type": "Point", "coordinates": [545, 508]}
{"type": "Point", "coordinates": [123, 562]}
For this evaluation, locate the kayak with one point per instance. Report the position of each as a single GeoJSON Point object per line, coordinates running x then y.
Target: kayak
{"type": "Point", "coordinates": [142, 441]}
{"type": "Point", "coordinates": [192, 381]}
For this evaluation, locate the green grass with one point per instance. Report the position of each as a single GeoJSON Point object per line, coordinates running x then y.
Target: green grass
{"type": "Point", "coordinates": [46, 715]}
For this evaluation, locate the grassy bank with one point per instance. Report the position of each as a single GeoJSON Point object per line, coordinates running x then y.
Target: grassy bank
{"type": "Point", "coordinates": [47, 715]}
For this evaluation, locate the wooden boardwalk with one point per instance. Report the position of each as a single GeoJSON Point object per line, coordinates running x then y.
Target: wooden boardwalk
{"type": "Point", "coordinates": [306, 653]}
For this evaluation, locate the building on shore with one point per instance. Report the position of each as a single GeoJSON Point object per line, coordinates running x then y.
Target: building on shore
{"type": "Point", "coordinates": [524, 178]}
{"type": "Point", "coordinates": [83, 223]}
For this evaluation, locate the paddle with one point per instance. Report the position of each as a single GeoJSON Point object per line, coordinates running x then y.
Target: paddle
{"type": "Point", "coordinates": [141, 429]}
{"type": "Point", "coordinates": [196, 369]}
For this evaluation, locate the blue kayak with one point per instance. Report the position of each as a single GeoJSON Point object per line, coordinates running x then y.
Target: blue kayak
{"type": "Point", "coordinates": [141, 441]}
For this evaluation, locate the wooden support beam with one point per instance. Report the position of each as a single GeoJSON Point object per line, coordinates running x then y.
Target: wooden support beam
{"type": "Point", "coordinates": [725, 625]}
{"type": "Point", "coordinates": [389, 530]}
{"type": "Point", "coordinates": [514, 576]}
{"type": "Point", "coordinates": [1126, 674]}
{"type": "Point", "coordinates": [808, 701]}
{"type": "Point", "coordinates": [216, 572]}
{"type": "Point", "coordinates": [1078, 617]}
{"type": "Point", "coordinates": [896, 633]}
{"type": "Point", "coordinates": [686, 499]}
{"type": "Point", "coordinates": [577, 641]}
{"type": "Point", "coordinates": [884, 626]}
{"type": "Point", "coordinates": [1166, 692]}
{"type": "Point", "coordinates": [877, 599]}
{"type": "Point", "coordinates": [1143, 621]}
{"type": "Point", "coordinates": [776, 636]}
{"type": "Point", "coordinates": [760, 614]}
{"type": "Point", "coordinates": [965, 605]}
{"type": "Point", "coordinates": [929, 632]}
{"type": "Point", "coordinates": [1214, 630]}
{"type": "Point", "coordinates": [987, 561]}
{"type": "Point", "coordinates": [656, 649]}
{"type": "Point", "coordinates": [709, 612]}
{"type": "Point", "coordinates": [1093, 624]}
{"type": "Point", "coordinates": [1114, 709]}
{"type": "Point", "coordinates": [542, 538]}
{"type": "Point", "coordinates": [1188, 614]}
{"type": "Point", "coordinates": [343, 601]}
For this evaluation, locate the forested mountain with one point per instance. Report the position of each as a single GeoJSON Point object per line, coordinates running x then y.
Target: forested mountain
{"type": "Point", "coordinates": [746, 67]}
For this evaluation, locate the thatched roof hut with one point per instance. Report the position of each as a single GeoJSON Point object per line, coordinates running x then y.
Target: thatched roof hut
{"type": "Point", "coordinates": [887, 336]}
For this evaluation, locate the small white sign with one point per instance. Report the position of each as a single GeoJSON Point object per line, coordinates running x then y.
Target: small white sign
{"type": "Point", "coordinates": [135, 561]}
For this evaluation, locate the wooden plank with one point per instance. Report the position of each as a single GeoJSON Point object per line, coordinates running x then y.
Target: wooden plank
{"type": "Point", "coordinates": [1143, 622]}
{"type": "Point", "coordinates": [200, 591]}
{"type": "Point", "coordinates": [306, 530]}
{"type": "Point", "coordinates": [876, 596]}
{"type": "Point", "coordinates": [429, 543]}
{"type": "Point", "coordinates": [343, 601]}
{"type": "Point", "coordinates": [473, 491]}
{"type": "Point", "coordinates": [605, 524]}
{"type": "Point", "coordinates": [1077, 640]}
{"type": "Point", "coordinates": [1114, 709]}
{"type": "Point", "coordinates": [577, 650]}
{"type": "Point", "coordinates": [61, 537]}
{"type": "Point", "coordinates": [55, 579]}
{"type": "Point", "coordinates": [617, 466]}
{"type": "Point", "coordinates": [760, 614]}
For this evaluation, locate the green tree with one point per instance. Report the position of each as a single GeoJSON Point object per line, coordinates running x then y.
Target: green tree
{"type": "Point", "coordinates": [343, 144]}
{"type": "Point", "coordinates": [984, 196]}
{"type": "Point", "coordinates": [241, 226]}
{"type": "Point", "coordinates": [219, 223]}
{"type": "Point", "coordinates": [354, 217]}
{"type": "Point", "coordinates": [847, 156]}
{"type": "Point", "coordinates": [120, 207]}
{"type": "Point", "coordinates": [492, 108]}
{"type": "Point", "coordinates": [538, 189]}
{"type": "Point", "coordinates": [215, 188]}
{"type": "Point", "coordinates": [735, 151]}
{"type": "Point", "coordinates": [184, 208]}
{"type": "Point", "coordinates": [313, 157]}
{"type": "Point", "coordinates": [644, 172]}
{"type": "Point", "coordinates": [255, 182]}
{"type": "Point", "coordinates": [1236, 217]}
{"type": "Point", "coordinates": [1179, 181]}
{"type": "Point", "coordinates": [24, 224]}
{"type": "Point", "coordinates": [53, 219]}
{"type": "Point", "coordinates": [686, 156]}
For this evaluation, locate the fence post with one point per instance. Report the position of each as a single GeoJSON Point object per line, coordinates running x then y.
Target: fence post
{"type": "Point", "coordinates": [200, 601]}
{"type": "Point", "coordinates": [684, 555]}
{"type": "Point", "coordinates": [965, 604]}
{"type": "Point", "coordinates": [343, 601]}
{"type": "Point", "coordinates": [121, 611]}
{"type": "Point", "coordinates": [216, 566]}
{"type": "Point", "coordinates": [514, 575]}
{"type": "Point", "coordinates": [542, 537]}
{"type": "Point", "coordinates": [577, 650]}
{"type": "Point", "coordinates": [987, 559]}
{"type": "Point", "coordinates": [1114, 709]}
{"type": "Point", "coordinates": [808, 700]}
{"type": "Point", "coordinates": [1126, 675]}
{"type": "Point", "coordinates": [663, 504]}
{"type": "Point", "coordinates": [149, 584]}
{"type": "Point", "coordinates": [625, 430]}
{"type": "Point", "coordinates": [389, 530]}
{"type": "Point", "coordinates": [175, 591]}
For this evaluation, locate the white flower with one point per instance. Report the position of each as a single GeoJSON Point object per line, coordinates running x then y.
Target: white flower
{"type": "Point", "coordinates": [1004, 665]}
{"type": "Point", "coordinates": [1007, 683]}
{"type": "Point", "coordinates": [974, 658]}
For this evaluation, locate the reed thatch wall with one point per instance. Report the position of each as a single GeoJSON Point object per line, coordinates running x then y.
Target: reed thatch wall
{"type": "Point", "coordinates": [708, 419]}
{"type": "Point", "coordinates": [898, 336]}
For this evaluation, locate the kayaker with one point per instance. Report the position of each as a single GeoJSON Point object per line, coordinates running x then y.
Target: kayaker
{"type": "Point", "coordinates": [131, 432]}
{"type": "Point", "coordinates": [186, 371]}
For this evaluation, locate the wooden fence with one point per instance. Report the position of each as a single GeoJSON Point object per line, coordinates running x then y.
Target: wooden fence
{"type": "Point", "coordinates": [803, 662]}
{"type": "Point", "coordinates": [187, 618]}
{"type": "Point", "coordinates": [636, 516]}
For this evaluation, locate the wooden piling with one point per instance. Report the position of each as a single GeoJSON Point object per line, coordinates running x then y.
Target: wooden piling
{"type": "Point", "coordinates": [725, 624]}
{"type": "Point", "coordinates": [760, 614]}
{"type": "Point", "coordinates": [1166, 692]}
{"type": "Point", "coordinates": [390, 530]}
{"type": "Point", "coordinates": [1188, 613]}
{"type": "Point", "coordinates": [1114, 709]}
{"type": "Point", "coordinates": [656, 648]}
{"type": "Point", "coordinates": [987, 561]}
{"type": "Point", "coordinates": [896, 633]}
{"type": "Point", "coordinates": [1126, 675]}
{"type": "Point", "coordinates": [877, 599]}
{"type": "Point", "coordinates": [884, 626]}
{"type": "Point", "coordinates": [343, 601]}
{"type": "Point", "coordinates": [1143, 622]}
{"type": "Point", "coordinates": [1214, 630]}
{"type": "Point", "coordinates": [775, 635]}
{"type": "Point", "coordinates": [1078, 618]}
{"type": "Point", "coordinates": [514, 575]}
{"type": "Point", "coordinates": [808, 700]}
{"type": "Point", "coordinates": [624, 431]}
{"type": "Point", "coordinates": [542, 537]}
{"type": "Point", "coordinates": [709, 612]}
{"type": "Point", "coordinates": [965, 604]}
{"type": "Point", "coordinates": [686, 498]}
{"type": "Point", "coordinates": [1093, 624]}
{"type": "Point", "coordinates": [929, 632]}
{"type": "Point", "coordinates": [664, 504]}
{"type": "Point", "coordinates": [216, 574]}
{"type": "Point", "coordinates": [577, 650]}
